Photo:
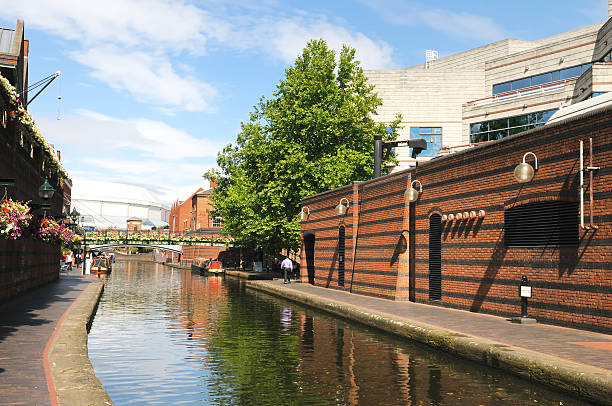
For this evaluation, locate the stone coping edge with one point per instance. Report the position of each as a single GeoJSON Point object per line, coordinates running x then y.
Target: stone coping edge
{"type": "Point", "coordinates": [581, 380]}
{"type": "Point", "coordinates": [73, 375]}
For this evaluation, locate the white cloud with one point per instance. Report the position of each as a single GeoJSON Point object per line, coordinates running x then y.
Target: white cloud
{"type": "Point", "coordinates": [457, 25]}
{"type": "Point", "coordinates": [131, 45]}
{"type": "Point", "coordinates": [151, 79]}
{"type": "Point", "coordinates": [170, 24]}
{"type": "Point", "coordinates": [97, 146]}
{"type": "Point", "coordinates": [286, 38]}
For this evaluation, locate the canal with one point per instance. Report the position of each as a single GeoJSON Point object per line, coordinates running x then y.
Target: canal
{"type": "Point", "coordinates": [167, 336]}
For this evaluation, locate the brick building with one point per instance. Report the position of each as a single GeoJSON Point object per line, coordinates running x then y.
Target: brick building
{"type": "Point", "coordinates": [194, 213]}
{"type": "Point", "coordinates": [428, 252]}
{"type": "Point", "coordinates": [25, 162]}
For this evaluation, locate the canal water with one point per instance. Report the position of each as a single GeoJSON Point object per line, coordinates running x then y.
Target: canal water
{"type": "Point", "coordinates": [169, 337]}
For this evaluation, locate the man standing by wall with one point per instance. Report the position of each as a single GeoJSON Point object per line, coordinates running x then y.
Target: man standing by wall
{"type": "Point", "coordinates": [286, 267]}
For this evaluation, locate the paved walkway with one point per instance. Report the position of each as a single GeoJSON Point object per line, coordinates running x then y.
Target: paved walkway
{"type": "Point", "coordinates": [26, 324]}
{"type": "Point", "coordinates": [585, 347]}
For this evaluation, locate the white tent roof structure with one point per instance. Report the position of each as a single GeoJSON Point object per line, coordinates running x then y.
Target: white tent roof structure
{"type": "Point", "coordinates": [104, 205]}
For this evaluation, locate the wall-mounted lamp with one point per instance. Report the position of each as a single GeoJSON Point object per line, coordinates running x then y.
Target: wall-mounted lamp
{"type": "Point", "coordinates": [481, 214]}
{"type": "Point", "coordinates": [466, 215]}
{"type": "Point", "coordinates": [523, 171]}
{"type": "Point", "coordinates": [412, 195]}
{"type": "Point", "coordinates": [444, 218]}
{"type": "Point", "coordinates": [451, 217]}
{"type": "Point", "coordinates": [341, 208]}
{"type": "Point", "coordinates": [473, 215]}
{"type": "Point", "coordinates": [459, 216]}
{"type": "Point", "coordinates": [304, 213]}
{"type": "Point", "coordinates": [526, 68]}
{"type": "Point", "coordinates": [561, 60]}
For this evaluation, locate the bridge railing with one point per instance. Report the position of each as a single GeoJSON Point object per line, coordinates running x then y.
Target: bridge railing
{"type": "Point", "coordinates": [157, 237]}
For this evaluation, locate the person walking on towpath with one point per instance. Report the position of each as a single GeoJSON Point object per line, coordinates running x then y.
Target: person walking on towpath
{"type": "Point", "coordinates": [286, 267]}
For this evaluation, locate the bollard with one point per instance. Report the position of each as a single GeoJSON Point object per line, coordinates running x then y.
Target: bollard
{"type": "Point", "coordinates": [524, 292]}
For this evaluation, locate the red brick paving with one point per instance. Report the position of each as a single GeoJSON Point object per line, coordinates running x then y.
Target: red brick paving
{"type": "Point", "coordinates": [26, 324]}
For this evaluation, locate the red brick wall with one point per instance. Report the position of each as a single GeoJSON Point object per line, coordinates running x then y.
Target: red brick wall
{"type": "Point", "coordinates": [26, 264]}
{"type": "Point", "coordinates": [571, 285]}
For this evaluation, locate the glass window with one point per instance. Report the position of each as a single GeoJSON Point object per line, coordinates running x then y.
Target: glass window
{"type": "Point", "coordinates": [433, 137]}
{"type": "Point", "coordinates": [521, 83]}
{"type": "Point", "coordinates": [547, 114]}
{"type": "Point", "coordinates": [567, 73]}
{"type": "Point", "coordinates": [586, 67]}
{"type": "Point", "coordinates": [500, 128]}
{"type": "Point", "coordinates": [501, 88]}
{"type": "Point", "coordinates": [517, 121]}
{"type": "Point", "coordinates": [498, 124]}
{"type": "Point", "coordinates": [541, 79]}
{"type": "Point", "coordinates": [554, 76]}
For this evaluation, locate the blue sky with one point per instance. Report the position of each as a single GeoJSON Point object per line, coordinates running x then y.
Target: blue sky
{"type": "Point", "coordinates": [152, 89]}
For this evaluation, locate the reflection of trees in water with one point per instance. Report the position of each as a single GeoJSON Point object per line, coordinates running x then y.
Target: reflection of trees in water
{"type": "Point", "coordinates": [251, 349]}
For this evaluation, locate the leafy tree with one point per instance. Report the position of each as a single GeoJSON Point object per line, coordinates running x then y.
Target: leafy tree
{"type": "Point", "coordinates": [316, 133]}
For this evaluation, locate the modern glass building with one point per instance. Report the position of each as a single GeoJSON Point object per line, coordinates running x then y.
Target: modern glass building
{"type": "Point", "coordinates": [494, 91]}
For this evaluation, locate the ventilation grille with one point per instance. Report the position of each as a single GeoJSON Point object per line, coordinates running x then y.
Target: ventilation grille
{"type": "Point", "coordinates": [542, 224]}
{"type": "Point", "coordinates": [435, 257]}
{"type": "Point", "coordinates": [341, 257]}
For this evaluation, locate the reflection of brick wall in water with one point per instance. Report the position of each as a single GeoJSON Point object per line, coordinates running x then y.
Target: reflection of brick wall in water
{"type": "Point", "coordinates": [374, 372]}
{"type": "Point", "coordinates": [194, 311]}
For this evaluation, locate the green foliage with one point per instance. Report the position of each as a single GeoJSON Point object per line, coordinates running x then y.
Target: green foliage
{"type": "Point", "coordinates": [316, 133]}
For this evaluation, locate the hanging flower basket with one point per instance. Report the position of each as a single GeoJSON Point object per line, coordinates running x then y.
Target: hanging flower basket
{"type": "Point", "coordinates": [14, 218]}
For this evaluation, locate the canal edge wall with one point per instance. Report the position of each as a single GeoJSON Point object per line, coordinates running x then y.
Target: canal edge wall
{"type": "Point", "coordinates": [73, 376]}
{"type": "Point", "coordinates": [587, 382]}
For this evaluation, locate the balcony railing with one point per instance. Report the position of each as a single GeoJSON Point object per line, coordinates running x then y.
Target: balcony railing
{"type": "Point", "coordinates": [528, 91]}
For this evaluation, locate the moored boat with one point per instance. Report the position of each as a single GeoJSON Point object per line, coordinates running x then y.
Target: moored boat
{"type": "Point", "coordinates": [101, 265]}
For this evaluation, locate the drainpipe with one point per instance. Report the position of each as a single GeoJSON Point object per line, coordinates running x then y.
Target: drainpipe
{"type": "Point", "coordinates": [378, 145]}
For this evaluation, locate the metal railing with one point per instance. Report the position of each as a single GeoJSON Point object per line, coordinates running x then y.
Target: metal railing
{"type": "Point", "coordinates": [528, 91]}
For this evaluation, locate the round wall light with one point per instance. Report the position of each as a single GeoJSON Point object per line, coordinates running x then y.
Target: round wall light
{"type": "Point", "coordinates": [341, 208]}
{"type": "Point", "coordinates": [523, 171]}
{"type": "Point", "coordinates": [412, 195]}
{"type": "Point", "coordinates": [304, 213]}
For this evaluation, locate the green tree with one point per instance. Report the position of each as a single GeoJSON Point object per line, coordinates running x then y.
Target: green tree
{"type": "Point", "coordinates": [316, 133]}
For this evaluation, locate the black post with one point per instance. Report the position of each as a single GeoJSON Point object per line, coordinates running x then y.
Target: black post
{"type": "Point", "coordinates": [524, 298]}
{"type": "Point", "coordinates": [377, 155]}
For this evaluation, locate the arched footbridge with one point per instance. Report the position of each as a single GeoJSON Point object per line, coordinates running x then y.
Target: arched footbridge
{"type": "Point", "coordinates": [172, 241]}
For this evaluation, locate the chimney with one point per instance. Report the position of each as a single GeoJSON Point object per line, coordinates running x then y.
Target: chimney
{"type": "Point", "coordinates": [213, 181]}
{"type": "Point", "coordinates": [59, 156]}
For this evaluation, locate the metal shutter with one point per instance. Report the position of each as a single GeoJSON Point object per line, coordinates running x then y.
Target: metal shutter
{"type": "Point", "coordinates": [435, 257]}
{"type": "Point", "coordinates": [541, 224]}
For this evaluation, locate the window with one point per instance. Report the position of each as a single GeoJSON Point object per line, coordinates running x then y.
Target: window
{"type": "Point", "coordinates": [217, 221]}
{"type": "Point", "coordinates": [433, 136]}
{"type": "Point", "coordinates": [543, 78]}
{"type": "Point", "coordinates": [541, 224]}
{"type": "Point", "coordinates": [503, 127]}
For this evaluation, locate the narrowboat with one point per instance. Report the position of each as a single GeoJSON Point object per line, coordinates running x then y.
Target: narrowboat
{"type": "Point", "coordinates": [101, 265]}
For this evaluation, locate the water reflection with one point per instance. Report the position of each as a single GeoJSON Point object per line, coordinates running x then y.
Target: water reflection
{"type": "Point", "coordinates": [164, 336]}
